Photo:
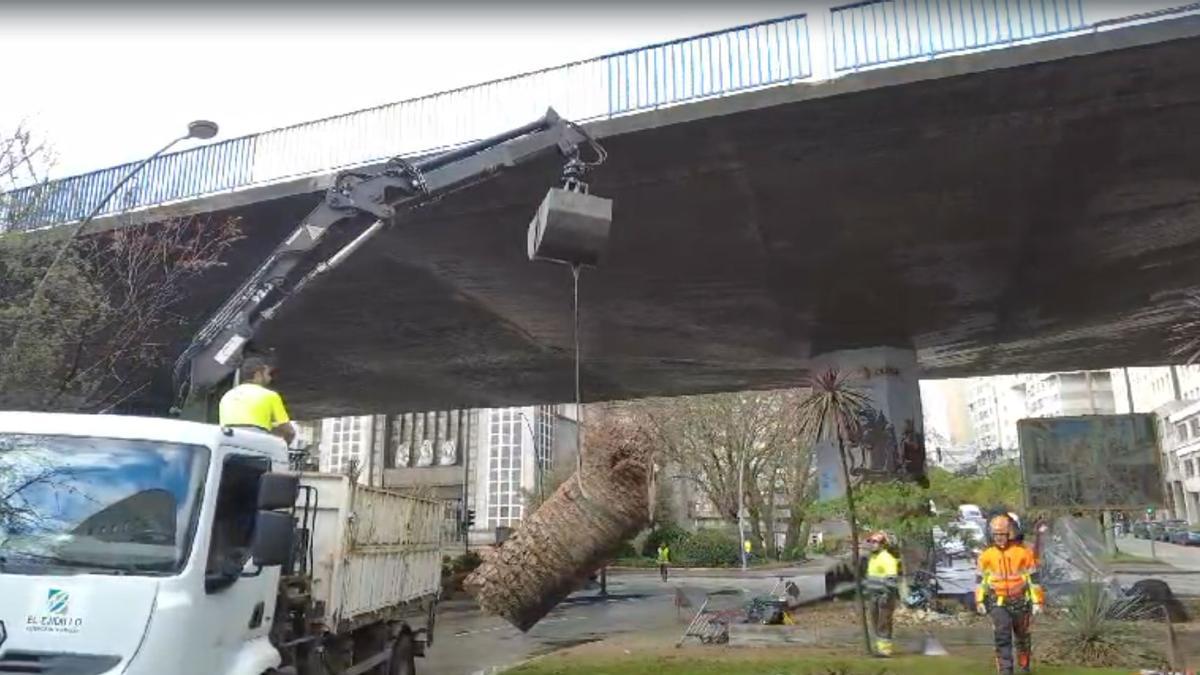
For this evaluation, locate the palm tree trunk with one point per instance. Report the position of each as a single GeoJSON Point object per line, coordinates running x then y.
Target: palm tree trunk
{"type": "Point", "coordinates": [571, 535]}
{"type": "Point", "coordinates": [853, 514]}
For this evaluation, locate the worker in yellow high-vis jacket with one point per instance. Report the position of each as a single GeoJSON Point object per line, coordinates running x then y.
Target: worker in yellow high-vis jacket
{"type": "Point", "coordinates": [1008, 592]}
{"type": "Point", "coordinates": [882, 587]}
{"type": "Point", "coordinates": [253, 404]}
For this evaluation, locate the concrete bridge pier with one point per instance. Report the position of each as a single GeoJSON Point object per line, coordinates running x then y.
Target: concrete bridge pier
{"type": "Point", "coordinates": [892, 443]}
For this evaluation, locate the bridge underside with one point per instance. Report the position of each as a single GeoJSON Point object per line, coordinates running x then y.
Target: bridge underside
{"type": "Point", "coordinates": [1036, 217]}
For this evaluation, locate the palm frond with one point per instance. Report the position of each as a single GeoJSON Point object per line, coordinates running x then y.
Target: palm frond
{"type": "Point", "coordinates": [833, 407]}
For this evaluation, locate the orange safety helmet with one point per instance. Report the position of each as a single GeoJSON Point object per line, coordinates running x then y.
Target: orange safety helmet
{"type": "Point", "coordinates": [1001, 524]}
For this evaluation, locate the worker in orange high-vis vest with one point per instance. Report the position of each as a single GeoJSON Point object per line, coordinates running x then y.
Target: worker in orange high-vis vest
{"type": "Point", "coordinates": [1008, 592]}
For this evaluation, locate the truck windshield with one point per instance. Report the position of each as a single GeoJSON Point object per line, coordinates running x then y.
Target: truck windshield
{"type": "Point", "coordinates": [76, 505]}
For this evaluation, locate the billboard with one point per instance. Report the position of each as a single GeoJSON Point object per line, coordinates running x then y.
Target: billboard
{"type": "Point", "coordinates": [1091, 462]}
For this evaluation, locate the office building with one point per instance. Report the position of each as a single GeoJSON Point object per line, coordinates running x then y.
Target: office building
{"type": "Point", "coordinates": [491, 458]}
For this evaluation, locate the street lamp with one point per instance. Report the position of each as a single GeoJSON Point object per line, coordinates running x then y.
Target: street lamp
{"type": "Point", "coordinates": [199, 129]}
{"type": "Point", "coordinates": [202, 129]}
{"type": "Point", "coordinates": [742, 507]}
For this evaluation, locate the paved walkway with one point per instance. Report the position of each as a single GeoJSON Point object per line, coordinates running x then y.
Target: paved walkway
{"type": "Point", "coordinates": [1183, 558]}
{"type": "Point", "coordinates": [1181, 571]}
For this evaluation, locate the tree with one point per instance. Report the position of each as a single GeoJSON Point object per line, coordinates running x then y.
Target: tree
{"type": "Point", "coordinates": [712, 438]}
{"type": "Point", "coordinates": [98, 330]}
{"type": "Point", "coordinates": [895, 506]}
{"type": "Point", "coordinates": [1000, 486]}
{"type": "Point", "coordinates": [832, 411]}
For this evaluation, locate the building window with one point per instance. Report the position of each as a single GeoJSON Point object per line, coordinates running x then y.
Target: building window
{"type": "Point", "coordinates": [1195, 424]}
{"type": "Point", "coordinates": [1181, 431]}
{"type": "Point", "coordinates": [544, 441]}
{"type": "Point", "coordinates": [346, 443]}
{"type": "Point", "coordinates": [505, 504]}
{"type": "Point", "coordinates": [1189, 468]}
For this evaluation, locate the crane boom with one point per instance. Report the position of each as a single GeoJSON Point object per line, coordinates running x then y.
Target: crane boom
{"type": "Point", "coordinates": [355, 207]}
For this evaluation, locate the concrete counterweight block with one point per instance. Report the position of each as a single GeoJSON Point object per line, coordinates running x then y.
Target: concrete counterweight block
{"type": "Point", "coordinates": [570, 227]}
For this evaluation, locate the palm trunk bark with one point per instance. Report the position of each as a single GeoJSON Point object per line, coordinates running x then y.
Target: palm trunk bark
{"type": "Point", "coordinates": [853, 515]}
{"type": "Point", "coordinates": [574, 533]}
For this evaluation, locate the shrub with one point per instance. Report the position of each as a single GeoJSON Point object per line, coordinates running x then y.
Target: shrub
{"type": "Point", "coordinates": [795, 553]}
{"type": "Point", "coordinates": [670, 533]}
{"type": "Point", "coordinates": [833, 546]}
{"type": "Point", "coordinates": [1099, 630]}
{"type": "Point", "coordinates": [625, 551]}
{"type": "Point", "coordinates": [467, 562]}
{"type": "Point", "coordinates": [709, 548]}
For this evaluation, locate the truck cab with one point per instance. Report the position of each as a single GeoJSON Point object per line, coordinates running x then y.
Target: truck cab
{"type": "Point", "coordinates": [138, 545]}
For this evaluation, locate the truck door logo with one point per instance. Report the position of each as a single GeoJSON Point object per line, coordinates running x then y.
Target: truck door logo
{"type": "Point", "coordinates": [58, 602]}
{"type": "Point", "coordinates": [53, 614]}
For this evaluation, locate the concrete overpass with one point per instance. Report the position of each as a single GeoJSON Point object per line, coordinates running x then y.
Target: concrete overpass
{"type": "Point", "coordinates": [1031, 208]}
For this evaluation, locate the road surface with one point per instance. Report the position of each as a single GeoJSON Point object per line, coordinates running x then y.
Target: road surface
{"type": "Point", "coordinates": [469, 643]}
{"type": "Point", "coordinates": [1184, 572]}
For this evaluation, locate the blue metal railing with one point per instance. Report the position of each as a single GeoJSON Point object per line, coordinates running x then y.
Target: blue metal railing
{"type": "Point", "coordinates": [713, 64]}
{"type": "Point", "coordinates": [882, 31]}
{"type": "Point", "coordinates": [766, 53]}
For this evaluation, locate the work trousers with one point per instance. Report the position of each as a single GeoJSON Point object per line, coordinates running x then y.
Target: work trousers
{"type": "Point", "coordinates": [662, 570]}
{"type": "Point", "coordinates": [1011, 625]}
{"type": "Point", "coordinates": [882, 607]}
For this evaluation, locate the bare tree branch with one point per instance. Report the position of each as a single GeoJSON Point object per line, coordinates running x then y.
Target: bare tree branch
{"type": "Point", "coordinates": [97, 333]}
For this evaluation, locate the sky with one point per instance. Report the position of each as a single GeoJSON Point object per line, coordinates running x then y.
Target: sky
{"type": "Point", "coordinates": [109, 83]}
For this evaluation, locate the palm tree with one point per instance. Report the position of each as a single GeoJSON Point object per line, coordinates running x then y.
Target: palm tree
{"type": "Point", "coordinates": [831, 411]}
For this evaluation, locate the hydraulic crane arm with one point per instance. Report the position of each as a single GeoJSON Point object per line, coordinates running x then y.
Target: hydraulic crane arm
{"type": "Point", "coordinates": [356, 207]}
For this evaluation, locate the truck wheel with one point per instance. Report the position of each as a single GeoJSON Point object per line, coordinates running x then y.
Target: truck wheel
{"type": "Point", "coordinates": [404, 655]}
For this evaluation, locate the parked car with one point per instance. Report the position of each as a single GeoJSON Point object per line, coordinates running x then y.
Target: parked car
{"type": "Point", "coordinates": [1169, 526]}
{"type": "Point", "coordinates": [1154, 530]}
{"type": "Point", "coordinates": [1186, 536]}
{"type": "Point", "coordinates": [970, 512]}
{"type": "Point", "coordinates": [948, 546]}
{"type": "Point", "coordinates": [1141, 530]}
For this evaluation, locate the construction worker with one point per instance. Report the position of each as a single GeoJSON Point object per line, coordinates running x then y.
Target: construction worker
{"type": "Point", "coordinates": [252, 404]}
{"type": "Point", "coordinates": [1008, 592]}
{"type": "Point", "coordinates": [664, 559]}
{"type": "Point", "coordinates": [882, 588]}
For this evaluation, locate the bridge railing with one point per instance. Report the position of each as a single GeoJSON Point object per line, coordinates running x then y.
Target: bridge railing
{"type": "Point", "coordinates": [872, 33]}
{"type": "Point", "coordinates": [713, 64]}
{"type": "Point", "coordinates": [882, 31]}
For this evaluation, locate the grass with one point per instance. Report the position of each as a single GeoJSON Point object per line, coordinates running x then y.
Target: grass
{"type": "Point", "coordinates": [769, 663]}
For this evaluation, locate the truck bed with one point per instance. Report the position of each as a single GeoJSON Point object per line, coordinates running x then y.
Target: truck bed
{"type": "Point", "coordinates": [375, 553]}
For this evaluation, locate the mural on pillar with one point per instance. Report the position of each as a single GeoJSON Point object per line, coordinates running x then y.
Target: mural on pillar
{"type": "Point", "coordinates": [872, 451]}
{"type": "Point", "coordinates": [877, 452]}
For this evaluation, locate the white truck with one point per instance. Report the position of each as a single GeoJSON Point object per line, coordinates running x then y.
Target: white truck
{"type": "Point", "coordinates": [153, 546]}
{"type": "Point", "coordinates": [147, 546]}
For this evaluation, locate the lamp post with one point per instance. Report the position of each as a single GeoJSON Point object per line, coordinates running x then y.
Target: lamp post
{"type": "Point", "coordinates": [742, 507]}
{"type": "Point", "coordinates": [200, 129]}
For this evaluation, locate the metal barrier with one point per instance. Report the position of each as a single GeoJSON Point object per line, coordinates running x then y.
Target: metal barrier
{"type": "Point", "coordinates": [711, 64]}
{"type": "Point", "coordinates": [759, 54]}
{"type": "Point", "coordinates": [883, 31]}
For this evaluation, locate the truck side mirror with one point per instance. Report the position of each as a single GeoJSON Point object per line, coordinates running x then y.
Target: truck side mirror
{"type": "Point", "coordinates": [278, 491]}
{"type": "Point", "coordinates": [273, 538]}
